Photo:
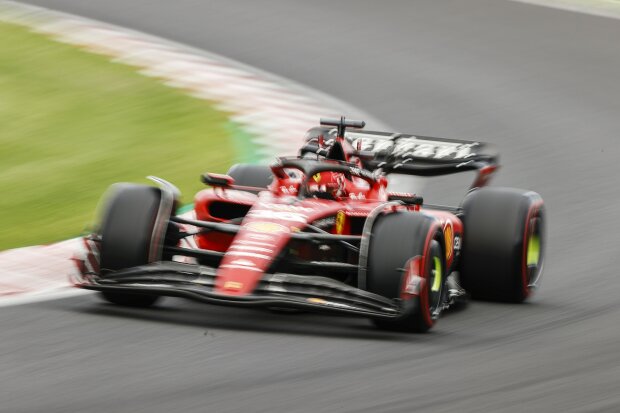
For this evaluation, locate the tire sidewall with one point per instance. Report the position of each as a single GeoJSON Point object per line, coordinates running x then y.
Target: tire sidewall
{"type": "Point", "coordinates": [133, 226]}
{"type": "Point", "coordinates": [416, 309]}
{"type": "Point", "coordinates": [493, 257]}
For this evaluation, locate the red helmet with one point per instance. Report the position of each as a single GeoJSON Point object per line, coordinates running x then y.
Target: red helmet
{"type": "Point", "coordinates": [327, 185]}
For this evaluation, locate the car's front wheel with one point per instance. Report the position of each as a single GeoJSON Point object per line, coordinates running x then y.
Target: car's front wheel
{"type": "Point", "coordinates": [405, 261]}
{"type": "Point", "coordinates": [133, 230]}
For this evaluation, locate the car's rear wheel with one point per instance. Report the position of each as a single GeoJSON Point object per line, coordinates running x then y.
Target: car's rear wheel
{"type": "Point", "coordinates": [405, 261]}
{"type": "Point", "coordinates": [503, 244]}
{"type": "Point", "coordinates": [257, 176]}
{"type": "Point", "coordinates": [132, 233]}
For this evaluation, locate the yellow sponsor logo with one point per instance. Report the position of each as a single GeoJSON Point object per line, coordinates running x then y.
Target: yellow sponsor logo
{"type": "Point", "coordinates": [233, 285]}
{"type": "Point", "coordinates": [317, 178]}
{"type": "Point", "coordinates": [340, 217]}
{"type": "Point", "coordinates": [448, 236]}
{"type": "Point", "coordinates": [317, 300]}
{"type": "Point", "coordinates": [270, 227]}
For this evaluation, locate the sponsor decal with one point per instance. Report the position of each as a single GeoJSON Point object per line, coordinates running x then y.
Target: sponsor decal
{"type": "Point", "coordinates": [246, 242]}
{"type": "Point", "coordinates": [247, 254]}
{"type": "Point", "coordinates": [284, 207]}
{"type": "Point", "coordinates": [268, 227]}
{"type": "Point", "coordinates": [316, 300]}
{"type": "Point", "coordinates": [414, 282]}
{"type": "Point", "coordinates": [340, 218]}
{"type": "Point", "coordinates": [317, 178]}
{"type": "Point", "coordinates": [264, 237]}
{"type": "Point", "coordinates": [241, 267]}
{"type": "Point", "coordinates": [245, 263]}
{"type": "Point", "coordinates": [362, 213]}
{"type": "Point", "coordinates": [278, 215]}
{"type": "Point", "coordinates": [290, 190]}
{"type": "Point", "coordinates": [233, 285]}
{"type": "Point", "coordinates": [362, 173]}
{"type": "Point", "coordinates": [402, 194]}
{"type": "Point", "coordinates": [413, 146]}
{"type": "Point", "coordinates": [449, 239]}
{"type": "Point", "coordinates": [249, 248]}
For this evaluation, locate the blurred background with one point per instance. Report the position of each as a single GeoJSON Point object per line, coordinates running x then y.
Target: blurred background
{"type": "Point", "coordinates": [74, 122]}
{"type": "Point", "coordinates": [541, 83]}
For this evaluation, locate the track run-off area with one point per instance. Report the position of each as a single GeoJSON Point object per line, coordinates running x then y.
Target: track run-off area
{"type": "Point", "coordinates": [542, 84]}
{"type": "Point", "coordinates": [272, 115]}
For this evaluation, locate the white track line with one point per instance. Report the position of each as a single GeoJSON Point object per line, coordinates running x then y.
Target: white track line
{"type": "Point", "coordinates": [274, 111]}
{"type": "Point", "coordinates": [601, 8]}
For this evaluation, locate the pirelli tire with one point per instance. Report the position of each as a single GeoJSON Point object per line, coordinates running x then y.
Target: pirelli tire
{"type": "Point", "coordinates": [258, 176]}
{"type": "Point", "coordinates": [133, 230]}
{"type": "Point", "coordinates": [397, 242]}
{"type": "Point", "coordinates": [503, 247]}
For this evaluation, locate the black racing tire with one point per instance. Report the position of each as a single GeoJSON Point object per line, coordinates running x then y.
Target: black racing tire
{"type": "Point", "coordinates": [396, 239]}
{"type": "Point", "coordinates": [128, 236]}
{"type": "Point", "coordinates": [258, 176]}
{"type": "Point", "coordinates": [503, 245]}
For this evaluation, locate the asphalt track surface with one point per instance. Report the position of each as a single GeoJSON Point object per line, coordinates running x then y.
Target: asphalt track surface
{"type": "Point", "coordinates": [543, 84]}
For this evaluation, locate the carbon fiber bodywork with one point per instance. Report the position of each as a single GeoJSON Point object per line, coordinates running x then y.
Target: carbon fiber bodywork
{"type": "Point", "coordinates": [197, 282]}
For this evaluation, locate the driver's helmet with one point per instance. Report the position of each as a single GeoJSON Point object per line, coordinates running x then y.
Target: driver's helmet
{"type": "Point", "coordinates": [327, 185]}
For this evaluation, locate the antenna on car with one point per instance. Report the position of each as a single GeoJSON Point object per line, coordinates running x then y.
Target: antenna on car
{"type": "Point", "coordinates": [342, 124]}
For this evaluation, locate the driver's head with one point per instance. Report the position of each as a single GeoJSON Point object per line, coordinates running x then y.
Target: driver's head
{"type": "Point", "coordinates": [327, 185]}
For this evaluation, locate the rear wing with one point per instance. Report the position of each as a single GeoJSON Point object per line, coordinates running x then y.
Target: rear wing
{"type": "Point", "coordinates": [410, 154]}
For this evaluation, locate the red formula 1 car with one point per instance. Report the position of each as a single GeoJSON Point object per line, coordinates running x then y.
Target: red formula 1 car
{"type": "Point", "coordinates": [322, 232]}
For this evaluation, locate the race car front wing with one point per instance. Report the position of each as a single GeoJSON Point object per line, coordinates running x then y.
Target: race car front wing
{"type": "Point", "coordinates": [193, 281]}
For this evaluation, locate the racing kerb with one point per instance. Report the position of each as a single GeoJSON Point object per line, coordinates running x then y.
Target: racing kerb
{"type": "Point", "coordinates": [275, 112]}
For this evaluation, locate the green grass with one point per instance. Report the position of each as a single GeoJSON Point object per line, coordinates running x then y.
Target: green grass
{"type": "Point", "coordinates": [72, 123]}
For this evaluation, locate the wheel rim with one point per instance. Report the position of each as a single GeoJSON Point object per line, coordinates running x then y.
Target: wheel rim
{"type": "Point", "coordinates": [534, 252]}
{"type": "Point", "coordinates": [435, 281]}
{"type": "Point", "coordinates": [436, 275]}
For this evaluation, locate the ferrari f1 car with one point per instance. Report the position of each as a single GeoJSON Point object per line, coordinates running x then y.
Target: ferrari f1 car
{"type": "Point", "coordinates": [322, 232]}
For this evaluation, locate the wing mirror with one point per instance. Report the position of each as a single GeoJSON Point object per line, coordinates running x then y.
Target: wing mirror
{"type": "Point", "coordinates": [409, 199]}
{"type": "Point", "coordinates": [220, 180]}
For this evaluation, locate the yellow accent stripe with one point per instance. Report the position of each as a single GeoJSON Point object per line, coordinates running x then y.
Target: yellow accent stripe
{"type": "Point", "coordinates": [533, 250]}
{"type": "Point", "coordinates": [438, 275]}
